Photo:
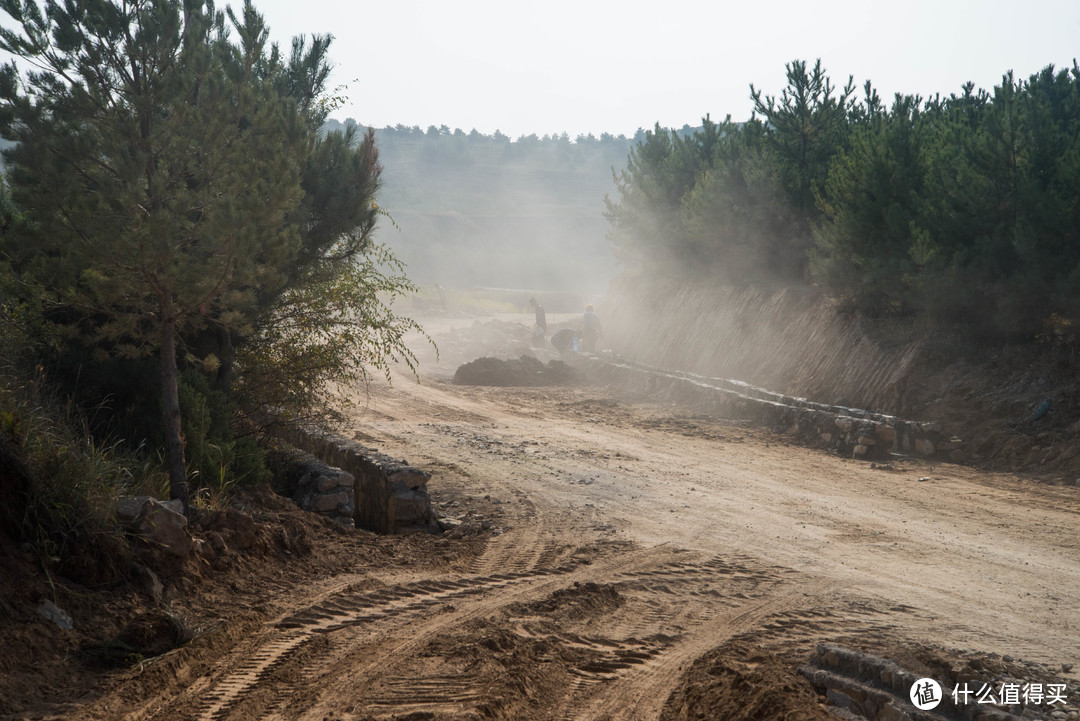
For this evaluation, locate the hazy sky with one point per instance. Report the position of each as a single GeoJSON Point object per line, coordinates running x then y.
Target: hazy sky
{"type": "Point", "coordinates": [592, 66]}
{"type": "Point", "coordinates": [605, 66]}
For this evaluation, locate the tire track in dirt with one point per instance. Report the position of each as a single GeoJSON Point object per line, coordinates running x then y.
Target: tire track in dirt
{"type": "Point", "coordinates": [631, 645]}
{"type": "Point", "coordinates": [641, 692]}
{"type": "Point", "coordinates": [351, 607]}
{"type": "Point", "coordinates": [680, 596]}
{"type": "Point", "coordinates": [397, 661]}
{"type": "Point", "coordinates": [226, 693]}
{"type": "Point", "coordinates": [521, 550]}
{"type": "Point", "coordinates": [678, 604]}
{"type": "Point", "coordinates": [639, 654]}
{"type": "Point", "coordinates": [346, 609]}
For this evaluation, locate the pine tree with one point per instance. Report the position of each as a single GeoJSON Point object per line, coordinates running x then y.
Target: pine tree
{"type": "Point", "coordinates": [805, 128]}
{"type": "Point", "coordinates": [871, 243]}
{"type": "Point", "coordinates": [172, 176]}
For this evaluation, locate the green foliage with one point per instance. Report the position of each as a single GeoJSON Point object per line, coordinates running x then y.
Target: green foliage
{"type": "Point", "coordinates": [805, 128]}
{"type": "Point", "coordinates": [217, 460]}
{"type": "Point", "coordinates": [870, 240]}
{"type": "Point", "coordinates": [961, 211]}
{"type": "Point", "coordinates": [323, 336]}
{"type": "Point", "coordinates": [645, 220]}
{"type": "Point", "coordinates": [708, 200]}
{"type": "Point", "coordinates": [141, 164]}
{"type": "Point", "coordinates": [141, 161]}
{"type": "Point", "coordinates": [177, 201]}
{"type": "Point", "coordinates": [735, 215]}
{"type": "Point", "coordinates": [74, 480]}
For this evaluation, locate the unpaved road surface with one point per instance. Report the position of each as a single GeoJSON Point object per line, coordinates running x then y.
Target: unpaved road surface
{"type": "Point", "coordinates": [614, 542]}
{"type": "Point", "coordinates": [624, 541]}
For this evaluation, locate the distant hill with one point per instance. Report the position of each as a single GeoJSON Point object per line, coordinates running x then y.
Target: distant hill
{"type": "Point", "coordinates": [482, 210]}
{"type": "Point", "coordinates": [477, 210]}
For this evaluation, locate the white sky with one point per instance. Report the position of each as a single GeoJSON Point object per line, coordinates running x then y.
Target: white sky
{"type": "Point", "coordinates": [606, 66]}
{"type": "Point", "coordinates": [613, 66]}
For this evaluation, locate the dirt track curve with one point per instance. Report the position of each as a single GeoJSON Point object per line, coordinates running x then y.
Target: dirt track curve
{"type": "Point", "coordinates": [627, 540]}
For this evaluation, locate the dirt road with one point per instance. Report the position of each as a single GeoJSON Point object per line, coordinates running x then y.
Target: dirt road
{"type": "Point", "coordinates": [616, 544]}
{"type": "Point", "coordinates": [625, 540]}
{"type": "Point", "coordinates": [965, 558]}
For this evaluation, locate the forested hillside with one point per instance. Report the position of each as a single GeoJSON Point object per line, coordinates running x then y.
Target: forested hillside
{"type": "Point", "coordinates": [960, 213]}
{"type": "Point", "coordinates": [485, 210]}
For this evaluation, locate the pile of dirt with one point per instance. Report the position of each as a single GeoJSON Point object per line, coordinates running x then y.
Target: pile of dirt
{"type": "Point", "coordinates": [581, 601]}
{"type": "Point", "coordinates": [525, 371]}
{"type": "Point", "coordinates": [493, 337]}
{"type": "Point", "coordinates": [741, 681]}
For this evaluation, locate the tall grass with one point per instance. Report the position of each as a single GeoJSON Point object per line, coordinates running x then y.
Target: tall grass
{"type": "Point", "coordinates": [76, 478]}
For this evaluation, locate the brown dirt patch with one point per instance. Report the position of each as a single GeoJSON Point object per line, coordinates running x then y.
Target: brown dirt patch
{"type": "Point", "coordinates": [743, 682]}
{"type": "Point", "coordinates": [641, 562]}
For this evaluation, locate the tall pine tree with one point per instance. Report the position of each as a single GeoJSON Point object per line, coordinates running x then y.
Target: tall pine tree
{"type": "Point", "coordinates": [172, 178]}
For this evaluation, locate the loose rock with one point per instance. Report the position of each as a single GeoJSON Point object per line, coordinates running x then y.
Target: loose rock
{"type": "Point", "coordinates": [57, 615]}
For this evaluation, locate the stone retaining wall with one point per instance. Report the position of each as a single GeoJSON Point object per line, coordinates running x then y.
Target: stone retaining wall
{"type": "Point", "coordinates": [389, 495]}
{"type": "Point", "coordinates": [316, 486]}
{"type": "Point", "coordinates": [852, 431]}
{"type": "Point", "coordinates": [877, 689]}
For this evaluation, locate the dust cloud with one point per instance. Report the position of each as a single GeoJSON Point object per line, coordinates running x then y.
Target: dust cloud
{"type": "Point", "coordinates": [484, 226]}
{"type": "Point", "coordinates": [789, 340]}
{"type": "Point", "coordinates": [531, 247]}
{"type": "Point", "coordinates": [476, 211]}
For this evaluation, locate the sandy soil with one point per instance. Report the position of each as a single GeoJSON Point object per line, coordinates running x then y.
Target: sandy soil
{"type": "Point", "coordinates": [637, 559]}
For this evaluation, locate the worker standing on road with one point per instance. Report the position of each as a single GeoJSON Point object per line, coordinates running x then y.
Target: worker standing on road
{"type": "Point", "coordinates": [540, 330]}
{"type": "Point", "coordinates": [591, 332]}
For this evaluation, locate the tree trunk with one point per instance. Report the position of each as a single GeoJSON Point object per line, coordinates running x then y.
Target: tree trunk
{"type": "Point", "coordinates": [170, 407]}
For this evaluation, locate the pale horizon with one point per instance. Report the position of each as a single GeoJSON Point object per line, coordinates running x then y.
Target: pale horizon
{"type": "Point", "coordinates": [599, 67]}
{"type": "Point", "coordinates": [606, 67]}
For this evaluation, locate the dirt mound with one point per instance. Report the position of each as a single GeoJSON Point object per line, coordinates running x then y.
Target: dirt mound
{"type": "Point", "coordinates": [742, 682]}
{"type": "Point", "coordinates": [578, 602]}
{"type": "Point", "coordinates": [525, 371]}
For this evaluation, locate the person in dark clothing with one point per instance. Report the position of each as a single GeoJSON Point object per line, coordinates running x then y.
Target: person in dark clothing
{"type": "Point", "coordinates": [591, 332]}
{"type": "Point", "coordinates": [540, 330]}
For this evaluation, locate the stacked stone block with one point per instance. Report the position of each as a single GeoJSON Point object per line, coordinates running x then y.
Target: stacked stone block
{"type": "Point", "coordinates": [388, 495]}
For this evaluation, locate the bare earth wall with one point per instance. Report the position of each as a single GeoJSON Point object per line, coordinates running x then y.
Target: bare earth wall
{"type": "Point", "coordinates": [790, 341]}
{"type": "Point", "coordinates": [793, 342]}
